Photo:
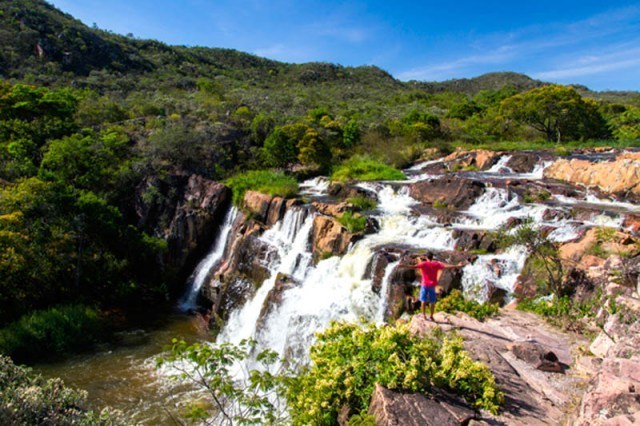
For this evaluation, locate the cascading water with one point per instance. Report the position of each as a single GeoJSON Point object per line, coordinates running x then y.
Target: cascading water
{"type": "Point", "coordinates": [209, 263]}
{"type": "Point", "coordinates": [336, 288]}
{"type": "Point", "coordinates": [494, 271]}
{"type": "Point", "coordinates": [501, 165]}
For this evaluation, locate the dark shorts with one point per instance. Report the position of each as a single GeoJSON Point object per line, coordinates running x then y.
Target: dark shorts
{"type": "Point", "coordinates": [427, 294]}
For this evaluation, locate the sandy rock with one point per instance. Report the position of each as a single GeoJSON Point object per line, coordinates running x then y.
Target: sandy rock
{"type": "Point", "coordinates": [621, 176]}
{"type": "Point", "coordinates": [480, 158]}
{"type": "Point", "coordinates": [601, 345]}
{"type": "Point", "coordinates": [329, 236]}
{"type": "Point", "coordinates": [334, 210]}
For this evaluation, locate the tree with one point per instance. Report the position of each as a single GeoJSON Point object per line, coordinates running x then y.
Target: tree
{"type": "Point", "coordinates": [626, 126]}
{"type": "Point", "coordinates": [256, 398]}
{"type": "Point", "coordinates": [281, 146]}
{"type": "Point", "coordinates": [557, 111]}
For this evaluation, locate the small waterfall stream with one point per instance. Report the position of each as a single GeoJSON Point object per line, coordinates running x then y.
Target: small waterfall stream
{"type": "Point", "coordinates": [209, 263]}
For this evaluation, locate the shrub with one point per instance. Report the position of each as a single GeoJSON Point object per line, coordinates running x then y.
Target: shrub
{"type": "Point", "coordinates": [365, 168]}
{"type": "Point", "coordinates": [348, 360]}
{"type": "Point", "coordinates": [362, 203]}
{"type": "Point", "coordinates": [52, 332]}
{"type": "Point", "coordinates": [353, 222]}
{"type": "Point", "coordinates": [265, 181]}
{"type": "Point", "coordinates": [455, 301]}
{"type": "Point", "coordinates": [27, 398]}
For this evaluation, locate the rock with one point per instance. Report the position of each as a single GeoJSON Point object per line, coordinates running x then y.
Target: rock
{"type": "Point", "coordinates": [185, 211]}
{"type": "Point", "coordinates": [451, 191]}
{"type": "Point", "coordinates": [403, 409]}
{"type": "Point", "coordinates": [618, 177]}
{"type": "Point", "coordinates": [274, 298]}
{"type": "Point", "coordinates": [335, 210]}
{"type": "Point", "coordinates": [536, 355]}
{"type": "Point", "coordinates": [344, 191]}
{"type": "Point", "coordinates": [523, 162]}
{"type": "Point", "coordinates": [481, 159]}
{"type": "Point", "coordinates": [264, 208]}
{"type": "Point", "coordinates": [470, 239]}
{"type": "Point", "coordinates": [601, 345]}
{"type": "Point", "coordinates": [329, 236]}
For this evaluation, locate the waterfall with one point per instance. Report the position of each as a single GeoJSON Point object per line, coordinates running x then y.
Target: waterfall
{"type": "Point", "coordinates": [480, 276]}
{"type": "Point", "coordinates": [209, 263]}
{"type": "Point", "coordinates": [501, 166]}
{"type": "Point", "coordinates": [336, 288]}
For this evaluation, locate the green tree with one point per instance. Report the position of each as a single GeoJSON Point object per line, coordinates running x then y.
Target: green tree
{"type": "Point", "coordinates": [626, 126]}
{"type": "Point", "coordinates": [258, 398]}
{"type": "Point", "coordinates": [559, 112]}
{"type": "Point", "coordinates": [281, 146]}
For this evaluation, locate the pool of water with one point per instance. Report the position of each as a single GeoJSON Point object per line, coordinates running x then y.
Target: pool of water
{"type": "Point", "coordinates": [124, 375]}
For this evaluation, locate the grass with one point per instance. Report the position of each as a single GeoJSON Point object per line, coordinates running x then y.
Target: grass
{"type": "Point", "coordinates": [362, 203]}
{"type": "Point", "coordinates": [264, 181]}
{"type": "Point", "coordinates": [353, 222]}
{"type": "Point", "coordinates": [364, 168]}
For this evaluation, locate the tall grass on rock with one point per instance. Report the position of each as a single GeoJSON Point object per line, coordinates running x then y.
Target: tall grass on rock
{"type": "Point", "coordinates": [264, 181]}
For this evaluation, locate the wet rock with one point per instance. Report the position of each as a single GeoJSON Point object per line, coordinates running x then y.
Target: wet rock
{"type": "Point", "coordinates": [274, 298]}
{"type": "Point", "coordinates": [471, 239]}
{"type": "Point", "coordinates": [523, 162]}
{"type": "Point", "coordinates": [329, 236]}
{"type": "Point", "coordinates": [451, 191]}
{"type": "Point", "coordinates": [185, 211]}
{"type": "Point", "coordinates": [344, 191]}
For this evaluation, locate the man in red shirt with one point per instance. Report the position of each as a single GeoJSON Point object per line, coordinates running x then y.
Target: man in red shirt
{"type": "Point", "coordinates": [430, 269]}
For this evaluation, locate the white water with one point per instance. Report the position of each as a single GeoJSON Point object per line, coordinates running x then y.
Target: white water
{"type": "Point", "coordinates": [478, 276]}
{"type": "Point", "coordinates": [495, 207]}
{"type": "Point", "coordinates": [209, 263]}
{"type": "Point", "coordinates": [315, 186]}
{"type": "Point", "coordinates": [501, 165]}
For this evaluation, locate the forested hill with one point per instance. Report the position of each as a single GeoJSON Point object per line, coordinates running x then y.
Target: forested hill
{"type": "Point", "coordinates": [94, 125]}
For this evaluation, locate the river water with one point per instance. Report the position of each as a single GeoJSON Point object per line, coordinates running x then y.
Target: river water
{"type": "Point", "coordinates": [125, 376]}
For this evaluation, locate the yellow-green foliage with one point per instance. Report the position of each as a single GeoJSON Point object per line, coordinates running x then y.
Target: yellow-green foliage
{"type": "Point", "coordinates": [455, 302]}
{"type": "Point", "coordinates": [349, 359]}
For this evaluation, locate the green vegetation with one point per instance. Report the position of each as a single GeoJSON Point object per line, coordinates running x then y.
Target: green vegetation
{"type": "Point", "coordinates": [349, 359]}
{"type": "Point", "coordinates": [212, 368]}
{"type": "Point", "coordinates": [365, 168]}
{"type": "Point", "coordinates": [28, 399]}
{"type": "Point", "coordinates": [264, 181]}
{"type": "Point", "coordinates": [362, 203]}
{"type": "Point", "coordinates": [52, 333]}
{"type": "Point", "coordinates": [564, 312]}
{"type": "Point", "coordinates": [353, 222]}
{"type": "Point", "coordinates": [543, 256]}
{"type": "Point", "coordinates": [455, 302]}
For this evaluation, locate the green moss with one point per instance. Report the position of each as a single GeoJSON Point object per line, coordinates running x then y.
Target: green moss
{"type": "Point", "coordinates": [455, 302]}
{"type": "Point", "coordinates": [353, 222]}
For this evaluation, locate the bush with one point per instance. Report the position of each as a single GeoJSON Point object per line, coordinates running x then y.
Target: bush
{"type": "Point", "coordinates": [365, 168]}
{"type": "Point", "coordinates": [348, 360]}
{"type": "Point", "coordinates": [362, 203]}
{"type": "Point", "coordinates": [28, 399]}
{"type": "Point", "coordinates": [455, 301]}
{"type": "Point", "coordinates": [353, 222]}
{"type": "Point", "coordinates": [265, 181]}
{"type": "Point", "coordinates": [52, 332]}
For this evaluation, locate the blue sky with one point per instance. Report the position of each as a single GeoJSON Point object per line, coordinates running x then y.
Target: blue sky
{"type": "Point", "coordinates": [595, 43]}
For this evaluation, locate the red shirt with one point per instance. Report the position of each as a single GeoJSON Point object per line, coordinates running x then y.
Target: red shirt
{"type": "Point", "coordinates": [429, 270]}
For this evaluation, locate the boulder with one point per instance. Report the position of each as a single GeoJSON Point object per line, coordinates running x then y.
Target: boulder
{"type": "Point", "coordinates": [619, 177]}
{"type": "Point", "coordinates": [264, 208]}
{"type": "Point", "coordinates": [329, 236]}
{"type": "Point", "coordinates": [450, 191]}
{"type": "Point", "coordinates": [392, 408]}
{"type": "Point", "coordinates": [523, 162]}
{"type": "Point", "coordinates": [537, 356]}
{"type": "Point", "coordinates": [482, 159]}
{"type": "Point", "coordinates": [472, 239]}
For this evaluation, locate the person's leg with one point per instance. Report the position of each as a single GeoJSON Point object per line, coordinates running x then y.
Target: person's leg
{"type": "Point", "coordinates": [423, 300]}
{"type": "Point", "coordinates": [431, 298]}
{"type": "Point", "coordinates": [433, 308]}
